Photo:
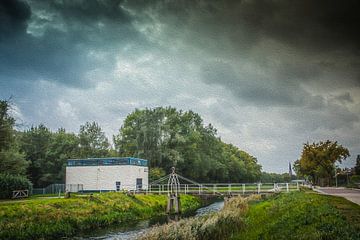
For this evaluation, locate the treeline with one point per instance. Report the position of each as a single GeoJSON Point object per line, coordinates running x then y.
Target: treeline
{"type": "Point", "coordinates": [165, 136]}
{"type": "Point", "coordinates": [276, 177]}
{"type": "Point", "coordinates": [168, 137]}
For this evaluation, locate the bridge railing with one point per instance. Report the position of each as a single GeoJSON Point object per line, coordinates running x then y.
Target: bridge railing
{"type": "Point", "coordinates": [227, 188]}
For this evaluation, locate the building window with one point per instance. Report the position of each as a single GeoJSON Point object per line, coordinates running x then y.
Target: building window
{"type": "Point", "coordinates": [138, 183]}
{"type": "Point", "coordinates": [118, 184]}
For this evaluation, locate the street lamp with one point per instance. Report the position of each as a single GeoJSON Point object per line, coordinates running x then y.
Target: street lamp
{"type": "Point", "coordinates": [336, 183]}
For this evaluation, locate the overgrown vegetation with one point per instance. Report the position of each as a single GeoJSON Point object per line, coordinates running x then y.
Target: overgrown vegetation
{"type": "Point", "coordinates": [302, 215]}
{"type": "Point", "coordinates": [216, 226]}
{"type": "Point", "coordinates": [297, 215]}
{"type": "Point", "coordinates": [56, 218]}
{"type": "Point", "coordinates": [9, 183]}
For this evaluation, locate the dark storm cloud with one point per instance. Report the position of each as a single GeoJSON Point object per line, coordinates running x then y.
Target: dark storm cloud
{"type": "Point", "coordinates": [13, 17]}
{"type": "Point", "coordinates": [257, 89]}
{"type": "Point", "coordinates": [316, 25]}
{"type": "Point", "coordinates": [60, 41]}
{"type": "Point", "coordinates": [270, 75]}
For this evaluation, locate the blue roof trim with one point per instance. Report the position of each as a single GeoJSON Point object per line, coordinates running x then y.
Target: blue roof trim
{"type": "Point", "coordinates": [110, 161]}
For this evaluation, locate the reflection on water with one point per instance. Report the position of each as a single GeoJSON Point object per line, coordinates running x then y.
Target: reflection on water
{"type": "Point", "coordinates": [135, 230]}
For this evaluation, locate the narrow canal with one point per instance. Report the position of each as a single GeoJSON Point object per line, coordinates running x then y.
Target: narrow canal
{"type": "Point", "coordinates": [133, 231]}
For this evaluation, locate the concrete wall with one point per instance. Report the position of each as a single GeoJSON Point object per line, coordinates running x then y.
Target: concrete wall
{"type": "Point", "coordinates": [105, 177]}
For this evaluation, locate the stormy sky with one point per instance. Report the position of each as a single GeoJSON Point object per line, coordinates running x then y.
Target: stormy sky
{"type": "Point", "coordinates": [269, 75]}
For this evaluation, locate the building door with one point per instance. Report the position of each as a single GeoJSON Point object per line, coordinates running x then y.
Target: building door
{"type": "Point", "coordinates": [138, 183]}
{"type": "Point", "coordinates": [118, 184]}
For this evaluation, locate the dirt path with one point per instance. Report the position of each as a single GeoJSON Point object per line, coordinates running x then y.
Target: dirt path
{"type": "Point", "coordinates": [350, 194]}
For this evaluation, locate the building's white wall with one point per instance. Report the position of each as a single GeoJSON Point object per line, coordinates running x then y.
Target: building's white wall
{"type": "Point", "coordinates": [105, 177]}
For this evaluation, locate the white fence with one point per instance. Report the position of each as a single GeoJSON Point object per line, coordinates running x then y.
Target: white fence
{"type": "Point", "coordinates": [58, 188]}
{"type": "Point", "coordinates": [227, 188]}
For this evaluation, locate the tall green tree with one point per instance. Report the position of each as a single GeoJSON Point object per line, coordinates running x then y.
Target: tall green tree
{"type": "Point", "coordinates": [93, 141]}
{"type": "Point", "coordinates": [63, 146]}
{"type": "Point", "coordinates": [357, 166]}
{"type": "Point", "coordinates": [168, 137]}
{"type": "Point", "coordinates": [11, 160]}
{"type": "Point", "coordinates": [35, 144]}
{"type": "Point", "coordinates": [318, 160]}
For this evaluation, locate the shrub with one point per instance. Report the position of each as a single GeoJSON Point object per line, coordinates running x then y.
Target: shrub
{"type": "Point", "coordinates": [355, 179]}
{"type": "Point", "coordinates": [9, 183]}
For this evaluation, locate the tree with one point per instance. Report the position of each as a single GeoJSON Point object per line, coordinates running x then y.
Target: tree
{"type": "Point", "coordinates": [318, 160]}
{"type": "Point", "coordinates": [357, 166]}
{"type": "Point", "coordinates": [63, 146]}
{"type": "Point", "coordinates": [35, 144]}
{"type": "Point", "coordinates": [168, 137]}
{"type": "Point", "coordinates": [11, 160]}
{"type": "Point", "coordinates": [93, 142]}
{"type": "Point", "coordinates": [156, 173]}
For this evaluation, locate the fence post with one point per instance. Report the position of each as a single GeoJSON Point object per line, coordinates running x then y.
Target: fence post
{"type": "Point", "coordinates": [243, 189]}
{"type": "Point", "coordinates": [258, 188]}
{"type": "Point", "coordinates": [199, 189]}
{"type": "Point", "coordinates": [214, 188]}
{"type": "Point", "coordinates": [297, 185]}
{"type": "Point", "coordinates": [159, 189]}
{"type": "Point", "coordinates": [229, 188]}
{"type": "Point", "coordinates": [287, 187]}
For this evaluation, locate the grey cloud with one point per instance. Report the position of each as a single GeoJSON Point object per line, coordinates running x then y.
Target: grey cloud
{"type": "Point", "coordinates": [317, 33]}
{"type": "Point", "coordinates": [270, 75]}
{"type": "Point", "coordinates": [13, 17]}
{"type": "Point", "coordinates": [344, 98]}
{"type": "Point", "coordinates": [258, 89]}
{"type": "Point", "coordinates": [66, 54]}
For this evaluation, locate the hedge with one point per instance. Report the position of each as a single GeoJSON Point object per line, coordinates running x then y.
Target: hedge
{"type": "Point", "coordinates": [9, 183]}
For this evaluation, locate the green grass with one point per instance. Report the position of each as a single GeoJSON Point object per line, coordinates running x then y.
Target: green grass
{"type": "Point", "coordinates": [57, 217]}
{"type": "Point", "coordinates": [216, 226]}
{"type": "Point", "coordinates": [301, 215]}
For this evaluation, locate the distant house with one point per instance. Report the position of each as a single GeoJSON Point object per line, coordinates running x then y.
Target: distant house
{"type": "Point", "coordinates": [108, 174]}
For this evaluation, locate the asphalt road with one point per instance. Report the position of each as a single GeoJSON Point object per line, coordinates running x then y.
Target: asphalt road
{"type": "Point", "coordinates": [350, 194]}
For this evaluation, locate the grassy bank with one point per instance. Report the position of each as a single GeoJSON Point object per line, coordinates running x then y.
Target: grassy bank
{"type": "Point", "coordinates": [216, 226]}
{"type": "Point", "coordinates": [301, 215]}
{"type": "Point", "coordinates": [55, 218]}
{"type": "Point", "coordinates": [295, 215]}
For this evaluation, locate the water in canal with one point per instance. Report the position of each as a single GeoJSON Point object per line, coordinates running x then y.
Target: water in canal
{"type": "Point", "coordinates": [135, 230]}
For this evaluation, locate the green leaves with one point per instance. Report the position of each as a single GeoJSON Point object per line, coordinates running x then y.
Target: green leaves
{"type": "Point", "coordinates": [168, 137]}
{"type": "Point", "coordinates": [11, 160]}
{"type": "Point", "coordinates": [93, 142]}
{"type": "Point", "coordinates": [318, 159]}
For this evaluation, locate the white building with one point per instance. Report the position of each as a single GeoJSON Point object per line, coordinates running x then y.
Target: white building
{"type": "Point", "coordinates": [108, 174]}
